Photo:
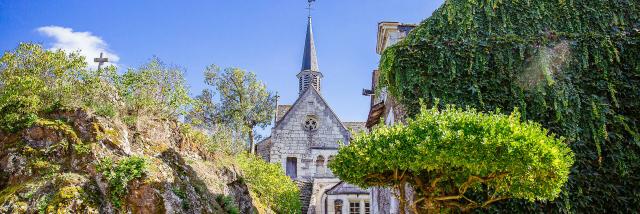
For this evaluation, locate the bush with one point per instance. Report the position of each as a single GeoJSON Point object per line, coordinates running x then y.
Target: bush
{"type": "Point", "coordinates": [154, 89]}
{"type": "Point", "coordinates": [447, 154]}
{"type": "Point", "coordinates": [227, 204]}
{"type": "Point", "coordinates": [119, 174]}
{"type": "Point", "coordinates": [270, 184]}
{"type": "Point", "coordinates": [33, 79]}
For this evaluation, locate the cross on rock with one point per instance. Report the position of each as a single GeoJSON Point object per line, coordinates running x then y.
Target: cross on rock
{"type": "Point", "coordinates": [100, 60]}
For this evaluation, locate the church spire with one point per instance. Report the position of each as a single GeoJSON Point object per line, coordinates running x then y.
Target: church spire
{"type": "Point", "coordinates": [309, 59]}
{"type": "Point", "coordinates": [309, 73]}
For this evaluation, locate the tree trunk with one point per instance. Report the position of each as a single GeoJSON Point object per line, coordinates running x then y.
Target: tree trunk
{"type": "Point", "coordinates": [251, 147]}
{"type": "Point", "coordinates": [402, 197]}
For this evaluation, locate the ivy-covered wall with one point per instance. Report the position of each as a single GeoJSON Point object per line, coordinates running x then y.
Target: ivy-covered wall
{"type": "Point", "coordinates": [572, 65]}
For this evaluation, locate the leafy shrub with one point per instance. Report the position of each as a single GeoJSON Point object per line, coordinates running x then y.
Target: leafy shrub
{"type": "Point", "coordinates": [446, 154]}
{"type": "Point", "coordinates": [31, 80]}
{"type": "Point", "coordinates": [154, 89]}
{"type": "Point", "coordinates": [34, 81]}
{"type": "Point", "coordinates": [227, 204]}
{"type": "Point", "coordinates": [119, 174]}
{"type": "Point", "coordinates": [570, 65]}
{"type": "Point", "coordinates": [270, 184]}
{"type": "Point", "coordinates": [217, 139]}
{"type": "Point", "coordinates": [106, 110]}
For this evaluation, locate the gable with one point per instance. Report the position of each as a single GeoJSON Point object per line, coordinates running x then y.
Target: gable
{"type": "Point", "coordinates": [311, 105]}
{"type": "Point", "coordinates": [343, 188]}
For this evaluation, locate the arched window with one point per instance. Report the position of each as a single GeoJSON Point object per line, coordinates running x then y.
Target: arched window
{"type": "Point", "coordinates": [337, 206]}
{"type": "Point", "coordinates": [320, 165]}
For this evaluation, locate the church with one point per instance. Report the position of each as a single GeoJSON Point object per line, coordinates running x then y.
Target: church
{"type": "Point", "coordinates": [305, 138]}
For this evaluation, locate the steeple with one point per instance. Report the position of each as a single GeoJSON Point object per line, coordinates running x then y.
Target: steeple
{"type": "Point", "coordinates": [309, 59]}
{"type": "Point", "coordinates": [309, 73]}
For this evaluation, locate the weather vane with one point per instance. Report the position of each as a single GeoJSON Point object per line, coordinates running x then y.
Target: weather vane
{"type": "Point", "coordinates": [309, 7]}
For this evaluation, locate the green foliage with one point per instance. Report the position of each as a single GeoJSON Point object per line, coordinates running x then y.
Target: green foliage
{"type": "Point", "coordinates": [33, 79]}
{"type": "Point", "coordinates": [245, 102]}
{"type": "Point", "coordinates": [82, 148]}
{"type": "Point", "coordinates": [227, 204]}
{"type": "Point", "coordinates": [270, 184]}
{"type": "Point", "coordinates": [219, 139]}
{"type": "Point", "coordinates": [571, 65]}
{"type": "Point", "coordinates": [119, 174]}
{"type": "Point", "coordinates": [445, 153]}
{"type": "Point", "coordinates": [155, 89]}
{"type": "Point", "coordinates": [106, 110]}
{"type": "Point", "coordinates": [182, 194]}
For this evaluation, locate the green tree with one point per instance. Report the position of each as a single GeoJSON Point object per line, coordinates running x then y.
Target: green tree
{"type": "Point", "coordinates": [448, 155]}
{"type": "Point", "coordinates": [245, 103]}
{"type": "Point", "coordinates": [204, 112]}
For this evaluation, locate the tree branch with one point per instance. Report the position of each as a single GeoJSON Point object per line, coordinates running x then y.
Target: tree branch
{"type": "Point", "coordinates": [448, 197]}
{"type": "Point", "coordinates": [476, 179]}
{"type": "Point", "coordinates": [493, 200]}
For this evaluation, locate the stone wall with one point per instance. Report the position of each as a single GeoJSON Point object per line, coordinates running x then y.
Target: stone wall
{"type": "Point", "coordinates": [290, 139]}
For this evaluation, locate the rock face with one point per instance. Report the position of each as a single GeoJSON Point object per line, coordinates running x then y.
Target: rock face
{"type": "Point", "coordinates": [51, 167]}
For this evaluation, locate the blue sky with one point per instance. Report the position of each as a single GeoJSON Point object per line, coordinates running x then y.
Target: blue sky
{"type": "Point", "coordinates": [265, 37]}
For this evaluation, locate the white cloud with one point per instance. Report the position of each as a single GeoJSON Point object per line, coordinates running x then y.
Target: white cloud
{"type": "Point", "coordinates": [90, 46]}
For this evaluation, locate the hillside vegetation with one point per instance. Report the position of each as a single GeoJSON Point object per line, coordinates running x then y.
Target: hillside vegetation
{"type": "Point", "coordinates": [75, 140]}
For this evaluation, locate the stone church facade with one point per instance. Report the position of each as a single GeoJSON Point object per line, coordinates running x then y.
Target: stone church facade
{"type": "Point", "coordinates": [306, 136]}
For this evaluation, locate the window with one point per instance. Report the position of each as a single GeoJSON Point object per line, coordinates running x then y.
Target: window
{"type": "Point", "coordinates": [367, 208]}
{"type": "Point", "coordinates": [354, 207]}
{"type": "Point", "coordinates": [337, 206]}
{"type": "Point", "coordinates": [311, 123]}
{"type": "Point", "coordinates": [320, 165]}
{"type": "Point", "coordinates": [292, 167]}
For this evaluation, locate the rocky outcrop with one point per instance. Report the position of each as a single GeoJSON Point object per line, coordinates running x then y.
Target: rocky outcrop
{"type": "Point", "coordinates": [52, 167]}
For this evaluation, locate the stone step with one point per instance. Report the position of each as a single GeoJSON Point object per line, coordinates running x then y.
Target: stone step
{"type": "Point", "coordinates": [306, 189]}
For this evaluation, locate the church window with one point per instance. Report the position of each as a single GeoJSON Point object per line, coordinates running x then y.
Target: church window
{"type": "Point", "coordinates": [310, 123]}
{"type": "Point", "coordinates": [292, 167]}
{"type": "Point", "coordinates": [354, 208]}
{"type": "Point", "coordinates": [320, 166]}
{"type": "Point", "coordinates": [337, 206]}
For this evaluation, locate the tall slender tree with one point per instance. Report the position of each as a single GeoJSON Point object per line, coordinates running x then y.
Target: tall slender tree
{"type": "Point", "coordinates": [245, 103]}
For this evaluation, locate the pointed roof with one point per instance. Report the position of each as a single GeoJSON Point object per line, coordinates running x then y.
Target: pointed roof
{"type": "Point", "coordinates": [311, 91]}
{"type": "Point", "coordinates": [309, 59]}
{"type": "Point", "coordinates": [343, 188]}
